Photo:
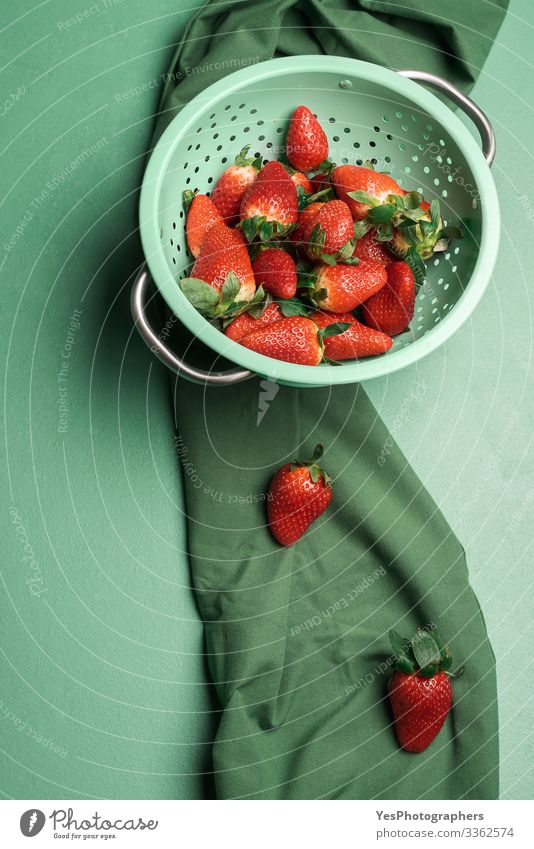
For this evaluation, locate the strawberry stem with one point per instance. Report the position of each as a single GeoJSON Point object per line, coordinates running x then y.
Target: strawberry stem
{"type": "Point", "coordinates": [316, 472]}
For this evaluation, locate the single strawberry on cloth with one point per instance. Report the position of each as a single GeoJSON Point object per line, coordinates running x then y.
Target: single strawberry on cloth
{"type": "Point", "coordinates": [297, 636]}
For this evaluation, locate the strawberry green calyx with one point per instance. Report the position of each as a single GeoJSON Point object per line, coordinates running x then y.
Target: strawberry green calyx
{"type": "Point", "coordinates": [425, 654]}
{"type": "Point", "coordinates": [307, 284]}
{"type": "Point", "coordinates": [361, 228]}
{"type": "Point", "coordinates": [419, 227]}
{"type": "Point", "coordinates": [258, 227]}
{"type": "Point", "coordinates": [315, 471]}
{"type": "Point", "coordinates": [413, 258]}
{"type": "Point", "coordinates": [407, 222]}
{"type": "Point", "coordinates": [416, 228]}
{"type": "Point", "coordinates": [218, 304]}
{"type": "Point", "coordinates": [325, 167]}
{"type": "Point", "coordinates": [243, 160]}
{"type": "Point", "coordinates": [334, 329]}
{"type": "Point", "coordinates": [292, 306]}
{"type": "Point", "coordinates": [315, 247]}
{"type": "Point", "coordinates": [187, 199]}
{"type": "Point", "coordinates": [305, 199]}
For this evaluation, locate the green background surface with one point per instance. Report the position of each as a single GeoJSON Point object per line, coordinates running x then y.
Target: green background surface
{"type": "Point", "coordinates": [102, 677]}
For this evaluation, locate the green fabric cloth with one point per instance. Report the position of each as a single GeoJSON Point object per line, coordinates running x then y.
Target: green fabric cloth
{"type": "Point", "coordinates": [297, 638]}
{"type": "Point", "coordinates": [452, 41]}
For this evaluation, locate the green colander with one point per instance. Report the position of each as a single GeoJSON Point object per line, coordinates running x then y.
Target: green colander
{"type": "Point", "coordinates": [368, 112]}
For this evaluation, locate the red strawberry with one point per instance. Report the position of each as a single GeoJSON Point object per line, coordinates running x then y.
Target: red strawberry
{"type": "Point", "coordinates": [224, 250]}
{"type": "Point", "coordinates": [300, 179]}
{"type": "Point", "coordinates": [306, 142]}
{"type": "Point", "coordinates": [368, 248]}
{"type": "Point", "coordinates": [201, 214]}
{"type": "Point", "coordinates": [245, 323]}
{"type": "Point", "coordinates": [356, 178]}
{"type": "Point", "coordinates": [356, 342]}
{"type": "Point", "coordinates": [341, 288]}
{"type": "Point", "coordinates": [305, 216]}
{"type": "Point", "coordinates": [293, 340]}
{"type": "Point", "coordinates": [420, 707]}
{"type": "Point", "coordinates": [420, 691]}
{"type": "Point", "coordinates": [269, 206]}
{"type": "Point", "coordinates": [298, 494]}
{"type": "Point", "coordinates": [230, 187]}
{"type": "Point", "coordinates": [328, 232]}
{"type": "Point", "coordinates": [275, 270]}
{"type": "Point", "coordinates": [392, 309]}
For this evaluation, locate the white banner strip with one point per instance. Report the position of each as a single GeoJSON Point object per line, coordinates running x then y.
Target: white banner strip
{"type": "Point", "coordinates": [257, 825]}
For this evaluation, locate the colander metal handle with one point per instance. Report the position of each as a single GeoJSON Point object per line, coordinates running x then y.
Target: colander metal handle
{"type": "Point", "coordinates": [478, 117]}
{"type": "Point", "coordinates": [138, 302]}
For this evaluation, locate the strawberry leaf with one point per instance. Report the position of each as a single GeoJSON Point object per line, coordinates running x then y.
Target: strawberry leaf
{"type": "Point", "coordinates": [187, 198]}
{"type": "Point", "coordinates": [302, 197]}
{"type": "Point", "coordinates": [243, 159]}
{"type": "Point", "coordinates": [325, 167]}
{"type": "Point", "coordinates": [381, 214]}
{"type": "Point", "coordinates": [426, 651]}
{"type": "Point", "coordinates": [345, 252]}
{"type": "Point", "coordinates": [200, 294]}
{"type": "Point", "coordinates": [429, 671]}
{"type": "Point", "coordinates": [248, 226]}
{"type": "Point", "coordinates": [230, 288]}
{"type": "Point", "coordinates": [444, 652]}
{"type": "Point", "coordinates": [292, 306]}
{"type": "Point", "coordinates": [334, 329]}
{"type": "Point", "coordinates": [397, 642]}
{"type": "Point", "coordinates": [417, 265]}
{"type": "Point", "coordinates": [402, 651]}
{"type": "Point", "coordinates": [327, 259]}
{"type": "Point", "coordinates": [306, 281]}
{"type": "Point", "coordinates": [319, 295]}
{"type": "Point", "coordinates": [306, 277]}
{"type": "Point", "coordinates": [413, 200]}
{"type": "Point", "coordinates": [361, 228]}
{"type": "Point", "coordinates": [414, 214]}
{"type": "Point", "coordinates": [363, 197]}
{"type": "Point", "coordinates": [324, 195]}
{"type": "Point", "coordinates": [398, 200]}
{"type": "Point", "coordinates": [435, 214]}
{"type": "Point", "coordinates": [255, 307]}
{"type": "Point", "coordinates": [384, 232]}
{"type": "Point", "coordinates": [265, 230]}
{"type": "Point", "coordinates": [409, 232]}
{"type": "Point", "coordinates": [317, 240]}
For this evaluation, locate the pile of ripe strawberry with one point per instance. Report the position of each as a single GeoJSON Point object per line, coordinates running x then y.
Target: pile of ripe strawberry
{"type": "Point", "coordinates": [283, 260]}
